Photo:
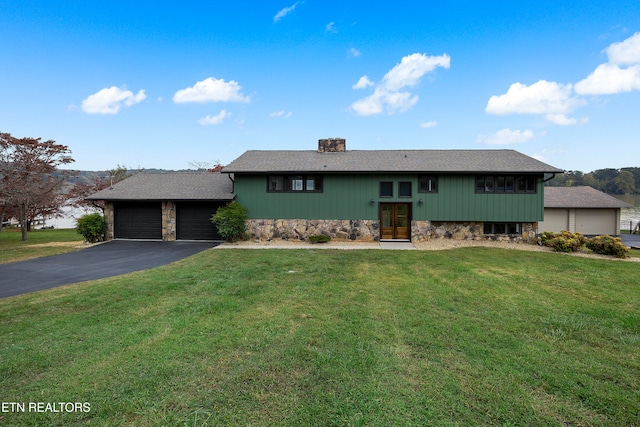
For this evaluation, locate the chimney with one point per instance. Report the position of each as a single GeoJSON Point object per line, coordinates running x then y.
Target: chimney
{"type": "Point", "coordinates": [332, 145]}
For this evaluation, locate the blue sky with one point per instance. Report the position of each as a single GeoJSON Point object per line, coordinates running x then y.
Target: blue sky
{"type": "Point", "coordinates": [166, 84]}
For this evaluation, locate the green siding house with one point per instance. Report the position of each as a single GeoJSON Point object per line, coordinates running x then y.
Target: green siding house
{"type": "Point", "coordinates": [375, 195]}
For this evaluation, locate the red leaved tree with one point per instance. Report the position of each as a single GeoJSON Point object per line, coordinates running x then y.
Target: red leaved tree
{"type": "Point", "coordinates": [30, 183]}
{"type": "Point", "coordinates": [77, 195]}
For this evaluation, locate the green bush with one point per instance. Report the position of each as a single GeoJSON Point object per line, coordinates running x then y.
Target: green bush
{"type": "Point", "coordinates": [545, 237]}
{"type": "Point", "coordinates": [92, 227]}
{"type": "Point", "coordinates": [231, 221]}
{"type": "Point", "coordinates": [608, 245]}
{"type": "Point", "coordinates": [565, 241]}
{"type": "Point", "coordinates": [320, 238]}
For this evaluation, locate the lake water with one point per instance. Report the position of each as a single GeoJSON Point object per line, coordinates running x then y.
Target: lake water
{"type": "Point", "coordinates": [69, 219]}
{"type": "Point", "coordinates": [629, 217]}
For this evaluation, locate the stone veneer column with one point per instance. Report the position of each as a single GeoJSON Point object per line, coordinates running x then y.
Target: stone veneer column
{"type": "Point", "coordinates": [168, 221]}
{"type": "Point", "coordinates": [110, 219]}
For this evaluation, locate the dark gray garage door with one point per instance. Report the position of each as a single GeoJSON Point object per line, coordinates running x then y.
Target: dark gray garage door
{"type": "Point", "coordinates": [194, 221]}
{"type": "Point", "coordinates": [138, 220]}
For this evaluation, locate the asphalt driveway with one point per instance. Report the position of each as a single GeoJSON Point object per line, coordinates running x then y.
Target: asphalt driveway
{"type": "Point", "coordinates": [108, 259]}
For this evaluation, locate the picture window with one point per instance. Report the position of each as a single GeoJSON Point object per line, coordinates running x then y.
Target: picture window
{"type": "Point", "coordinates": [294, 183]}
{"type": "Point", "coordinates": [501, 184]}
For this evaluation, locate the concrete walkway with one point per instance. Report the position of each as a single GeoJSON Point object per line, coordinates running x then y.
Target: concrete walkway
{"type": "Point", "coordinates": [399, 246]}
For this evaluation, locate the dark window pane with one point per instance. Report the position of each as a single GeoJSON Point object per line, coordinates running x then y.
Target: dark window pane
{"type": "Point", "coordinates": [500, 184]}
{"type": "Point", "coordinates": [317, 183]}
{"type": "Point", "coordinates": [531, 185]}
{"type": "Point", "coordinates": [276, 183]}
{"type": "Point", "coordinates": [386, 189]}
{"type": "Point", "coordinates": [488, 184]}
{"type": "Point", "coordinates": [404, 189]}
{"type": "Point", "coordinates": [509, 185]}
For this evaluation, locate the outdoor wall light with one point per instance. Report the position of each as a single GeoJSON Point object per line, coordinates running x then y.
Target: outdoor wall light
{"type": "Point", "coordinates": [372, 202]}
{"type": "Point", "coordinates": [420, 202]}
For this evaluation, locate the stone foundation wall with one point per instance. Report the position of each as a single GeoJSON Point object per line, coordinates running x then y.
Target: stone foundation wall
{"type": "Point", "coordinates": [369, 230]}
{"type": "Point", "coordinates": [302, 229]}
{"type": "Point", "coordinates": [422, 231]}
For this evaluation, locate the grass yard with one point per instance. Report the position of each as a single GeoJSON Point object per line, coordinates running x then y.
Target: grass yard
{"type": "Point", "coordinates": [40, 243]}
{"type": "Point", "coordinates": [472, 336]}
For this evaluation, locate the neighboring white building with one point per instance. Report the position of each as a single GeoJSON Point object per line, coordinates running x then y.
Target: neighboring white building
{"type": "Point", "coordinates": [581, 209]}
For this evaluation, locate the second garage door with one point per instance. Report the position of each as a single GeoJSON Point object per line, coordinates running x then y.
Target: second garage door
{"type": "Point", "coordinates": [194, 221]}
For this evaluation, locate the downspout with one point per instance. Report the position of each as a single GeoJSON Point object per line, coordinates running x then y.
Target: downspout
{"type": "Point", "coordinates": [233, 185]}
{"type": "Point", "coordinates": [553, 175]}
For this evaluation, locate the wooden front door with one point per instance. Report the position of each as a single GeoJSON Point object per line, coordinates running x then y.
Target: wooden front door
{"type": "Point", "coordinates": [395, 221]}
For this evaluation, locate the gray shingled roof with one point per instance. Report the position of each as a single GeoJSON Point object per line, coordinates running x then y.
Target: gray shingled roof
{"type": "Point", "coordinates": [580, 197]}
{"type": "Point", "coordinates": [454, 161]}
{"type": "Point", "coordinates": [170, 186]}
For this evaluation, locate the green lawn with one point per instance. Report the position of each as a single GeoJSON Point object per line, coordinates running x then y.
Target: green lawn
{"type": "Point", "coordinates": [40, 243]}
{"type": "Point", "coordinates": [472, 336]}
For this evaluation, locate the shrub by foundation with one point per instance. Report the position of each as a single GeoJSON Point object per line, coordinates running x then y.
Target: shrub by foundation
{"type": "Point", "coordinates": [231, 221]}
{"type": "Point", "coordinates": [608, 245]}
{"type": "Point", "coordinates": [320, 238]}
{"type": "Point", "coordinates": [92, 227]}
{"type": "Point", "coordinates": [565, 241]}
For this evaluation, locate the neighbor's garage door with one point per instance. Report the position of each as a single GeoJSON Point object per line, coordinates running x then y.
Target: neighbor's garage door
{"type": "Point", "coordinates": [138, 220]}
{"type": "Point", "coordinates": [597, 221]}
{"type": "Point", "coordinates": [194, 221]}
{"type": "Point", "coordinates": [555, 220]}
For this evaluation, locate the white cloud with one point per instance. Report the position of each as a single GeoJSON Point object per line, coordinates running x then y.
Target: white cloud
{"type": "Point", "coordinates": [368, 106]}
{"type": "Point", "coordinates": [626, 52]}
{"type": "Point", "coordinates": [110, 100]}
{"type": "Point", "coordinates": [211, 90]}
{"type": "Point", "coordinates": [551, 99]}
{"type": "Point", "coordinates": [427, 125]}
{"type": "Point", "coordinates": [331, 27]}
{"type": "Point", "coordinates": [284, 12]}
{"type": "Point", "coordinates": [506, 137]}
{"type": "Point", "coordinates": [354, 52]}
{"type": "Point", "coordinates": [620, 74]}
{"type": "Point", "coordinates": [411, 69]}
{"type": "Point", "coordinates": [364, 82]}
{"type": "Point", "coordinates": [609, 79]}
{"type": "Point", "coordinates": [388, 95]}
{"type": "Point", "coordinates": [214, 120]}
{"type": "Point", "coordinates": [280, 114]}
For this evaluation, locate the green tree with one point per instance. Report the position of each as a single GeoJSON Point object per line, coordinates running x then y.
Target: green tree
{"type": "Point", "coordinates": [625, 183]}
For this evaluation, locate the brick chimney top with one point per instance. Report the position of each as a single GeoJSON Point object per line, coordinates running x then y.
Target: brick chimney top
{"type": "Point", "coordinates": [332, 145]}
